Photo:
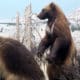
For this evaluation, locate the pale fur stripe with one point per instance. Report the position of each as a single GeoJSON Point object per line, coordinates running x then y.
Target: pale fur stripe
{"type": "Point", "coordinates": [50, 30]}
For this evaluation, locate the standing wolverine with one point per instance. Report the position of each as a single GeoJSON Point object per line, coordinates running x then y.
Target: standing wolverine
{"type": "Point", "coordinates": [58, 38]}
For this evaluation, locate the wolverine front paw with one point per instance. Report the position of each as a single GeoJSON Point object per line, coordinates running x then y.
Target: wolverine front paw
{"type": "Point", "coordinates": [39, 54]}
{"type": "Point", "coordinates": [50, 60]}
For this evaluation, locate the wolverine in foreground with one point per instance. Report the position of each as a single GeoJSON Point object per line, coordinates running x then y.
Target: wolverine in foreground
{"type": "Point", "coordinates": [17, 62]}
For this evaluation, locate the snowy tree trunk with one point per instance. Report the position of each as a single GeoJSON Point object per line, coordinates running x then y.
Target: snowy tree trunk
{"type": "Point", "coordinates": [17, 27]}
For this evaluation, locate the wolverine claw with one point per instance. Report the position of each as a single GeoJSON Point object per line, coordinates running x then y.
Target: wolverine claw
{"type": "Point", "coordinates": [50, 60]}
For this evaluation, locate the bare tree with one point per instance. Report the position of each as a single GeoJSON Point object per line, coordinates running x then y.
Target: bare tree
{"type": "Point", "coordinates": [17, 27]}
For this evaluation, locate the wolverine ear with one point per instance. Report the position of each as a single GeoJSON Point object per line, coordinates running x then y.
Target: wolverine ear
{"type": "Point", "coordinates": [52, 5]}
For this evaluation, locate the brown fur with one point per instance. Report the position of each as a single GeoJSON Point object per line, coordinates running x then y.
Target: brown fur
{"type": "Point", "coordinates": [58, 38]}
{"type": "Point", "coordinates": [17, 62]}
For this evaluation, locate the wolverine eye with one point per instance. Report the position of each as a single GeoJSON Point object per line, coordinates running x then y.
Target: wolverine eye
{"type": "Point", "coordinates": [43, 10]}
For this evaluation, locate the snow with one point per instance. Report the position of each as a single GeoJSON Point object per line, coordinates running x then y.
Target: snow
{"type": "Point", "coordinates": [74, 16]}
{"type": "Point", "coordinates": [7, 31]}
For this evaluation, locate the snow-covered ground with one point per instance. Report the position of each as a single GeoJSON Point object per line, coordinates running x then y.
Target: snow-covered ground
{"type": "Point", "coordinates": [7, 31]}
